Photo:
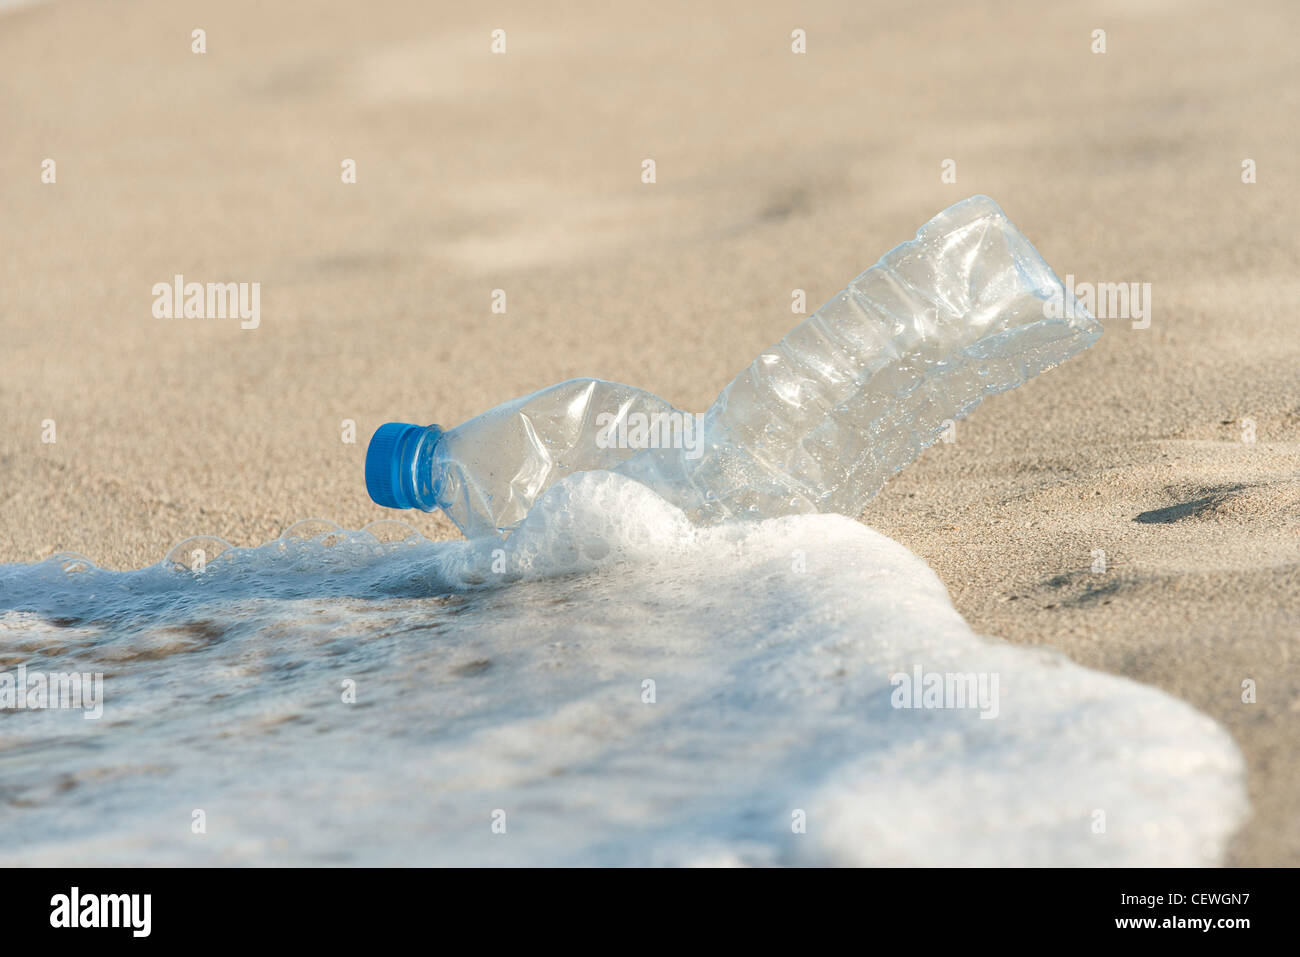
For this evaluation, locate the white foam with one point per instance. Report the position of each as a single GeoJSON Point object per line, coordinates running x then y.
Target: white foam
{"type": "Point", "coordinates": [510, 676]}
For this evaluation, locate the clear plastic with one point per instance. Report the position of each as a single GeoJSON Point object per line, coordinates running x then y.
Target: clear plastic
{"type": "Point", "coordinates": [816, 424]}
{"type": "Point", "coordinates": [487, 473]}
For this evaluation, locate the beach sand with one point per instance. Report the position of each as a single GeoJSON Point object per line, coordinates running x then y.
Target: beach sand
{"type": "Point", "coordinates": [774, 172]}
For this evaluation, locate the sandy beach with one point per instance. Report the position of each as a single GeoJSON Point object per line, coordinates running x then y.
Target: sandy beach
{"type": "Point", "coordinates": [1137, 509]}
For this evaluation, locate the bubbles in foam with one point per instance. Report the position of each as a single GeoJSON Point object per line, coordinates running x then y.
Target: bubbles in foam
{"type": "Point", "coordinates": [580, 524]}
{"type": "Point", "coordinates": [196, 553]}
{"type": "Point", "coordinates": [71, 563]}
{"type": "Point", "coordinates": [629, 688]}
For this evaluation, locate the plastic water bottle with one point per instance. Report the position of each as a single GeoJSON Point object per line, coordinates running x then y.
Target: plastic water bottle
{"type": "Point", "coordinates": [487, 473]}
{"type": "Point", "coordinates": [818, 423]}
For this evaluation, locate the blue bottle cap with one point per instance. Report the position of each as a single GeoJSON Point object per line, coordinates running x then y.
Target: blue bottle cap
{"type": "Point", "coordinates": [387, 455]}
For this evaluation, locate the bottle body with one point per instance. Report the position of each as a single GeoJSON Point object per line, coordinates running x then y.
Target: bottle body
{"type": "Point", "coordinates": [817, 423]}
{"type": "Point", "coordinates": [858, 390]}
{"type": "Point", "coordinates": [487, 473]}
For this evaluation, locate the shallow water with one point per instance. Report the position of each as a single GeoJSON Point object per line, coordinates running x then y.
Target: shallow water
{"type": "Point", "coordinates": [506, 683]}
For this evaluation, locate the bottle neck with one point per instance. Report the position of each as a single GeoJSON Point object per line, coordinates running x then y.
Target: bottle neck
{"type": "Point", "coordinates": [416, 471]}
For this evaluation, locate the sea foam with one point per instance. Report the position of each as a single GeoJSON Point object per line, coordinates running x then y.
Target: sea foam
{"type": "Point", "coordinates": [610, 685]}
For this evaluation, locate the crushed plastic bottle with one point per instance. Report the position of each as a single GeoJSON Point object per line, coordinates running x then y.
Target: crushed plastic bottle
{"type": "Point", "coordinates": [818, 423]}
{"type": "Point", "coordinates": [487, 473]}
